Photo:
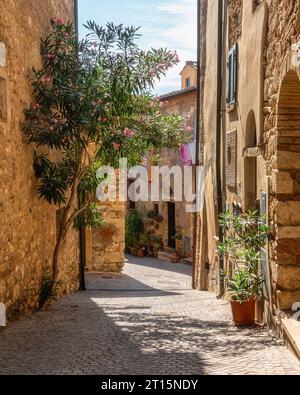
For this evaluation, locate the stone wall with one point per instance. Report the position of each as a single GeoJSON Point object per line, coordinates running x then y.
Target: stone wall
{"type": "Point", "coordinates": [235, 20]}
{"type": "Point", "coordinates": [107, 244]}
{"type": "Point", "coordinates": [27, 224]}
{"type": "Point", "coordinates": [281, 130]}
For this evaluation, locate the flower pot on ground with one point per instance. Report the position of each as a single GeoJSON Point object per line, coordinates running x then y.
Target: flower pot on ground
{"type": "Point", "coordinates": [175, 257]}
{"type": "Point", "coordinates": [141, 252]}
{"type": "Point", "coordinates": [244, 237]}
{"type": "Point", "coordinates": [243, 313]}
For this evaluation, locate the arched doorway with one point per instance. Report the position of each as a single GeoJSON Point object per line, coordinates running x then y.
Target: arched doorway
{"type": "Point", "coordinates": [287, 213]}
{"type": "Point", "coordinates": [250, 165]}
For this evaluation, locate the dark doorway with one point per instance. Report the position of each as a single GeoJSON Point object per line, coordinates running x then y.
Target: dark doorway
{"type": "Point", "coordinates": [171, 225]}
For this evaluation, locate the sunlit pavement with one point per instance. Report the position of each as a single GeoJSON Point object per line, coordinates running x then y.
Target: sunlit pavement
{"type": "Point", "coordinates": [146, 321]}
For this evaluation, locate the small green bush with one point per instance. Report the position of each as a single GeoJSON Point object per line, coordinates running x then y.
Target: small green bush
{"type": "Point", "coordinates": [134, 228]}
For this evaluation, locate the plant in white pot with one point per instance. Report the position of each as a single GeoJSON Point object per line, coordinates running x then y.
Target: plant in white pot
{"type": "Point", "coordinates": [244, 237]}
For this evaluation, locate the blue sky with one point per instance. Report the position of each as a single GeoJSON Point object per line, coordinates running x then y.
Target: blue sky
{"type": "Point", "coordinates": [164, 23]}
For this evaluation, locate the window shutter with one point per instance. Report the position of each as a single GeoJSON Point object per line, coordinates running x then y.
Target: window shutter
{"type": "Point", "coordinates": [232, 76]}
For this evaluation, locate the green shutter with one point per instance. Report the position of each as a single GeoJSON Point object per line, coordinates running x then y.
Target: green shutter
{"type": "Point", "coordinates": [232, 76]}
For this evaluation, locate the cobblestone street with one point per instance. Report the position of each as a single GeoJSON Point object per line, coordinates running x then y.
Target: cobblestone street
{"type": "Point", "coordinates": [146, 321]}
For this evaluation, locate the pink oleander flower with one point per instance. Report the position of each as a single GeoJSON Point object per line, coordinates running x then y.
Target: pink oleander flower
{"type": "Point", "coordinates": [128, 132]}
{"type": "Point", "coordinates": [190, 130]}
{"type": "Point", "coordinates": [71, 178]}
{"type": "Point", "coordinates": [51, 56]}
{"type": "Point", "coordinates": [100, 119]}
{"type": "Point", "coordinates": [117, 146]}
{"type": "Point", "coordinates": [60, 21]}
{"type": "Point", "coordinates": [43, 79]}
{"type": "Point", "coordinates": [175, 56]}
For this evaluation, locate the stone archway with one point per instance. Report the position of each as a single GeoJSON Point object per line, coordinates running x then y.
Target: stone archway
{"type": "Point", "coordinates": [287, 213]}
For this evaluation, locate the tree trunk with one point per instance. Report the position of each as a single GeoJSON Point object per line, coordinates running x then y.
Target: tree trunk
{"type": "Point", "coordinates": [55, 260]}
{"type": "Point", "coordinates": [63, 229]}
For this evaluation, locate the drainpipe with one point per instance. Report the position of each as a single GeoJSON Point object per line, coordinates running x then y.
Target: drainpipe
{"type": "Point", "coordinates": [197, 137]}
{"type": "Point", "coordinates": [219, 155]}
{"type": "Point", "coordinates": [81, 231]}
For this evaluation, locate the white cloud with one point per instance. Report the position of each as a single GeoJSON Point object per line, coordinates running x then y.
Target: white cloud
{"type": "Point", "coordinates": [178, 31]}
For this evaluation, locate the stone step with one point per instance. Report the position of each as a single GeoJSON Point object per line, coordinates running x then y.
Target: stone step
{"type": "Point", "coordinates": [188, 261]}
{"type": "Point", "coordinates": [166, 256]}
{"type": "Point", "coordinates": [291, 329]}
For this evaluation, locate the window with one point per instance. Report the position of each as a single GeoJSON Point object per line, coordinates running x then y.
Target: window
{"type": "Point", "coordinates": [187, 82]}
{"type": "Point", "coordinates": [232, 76]}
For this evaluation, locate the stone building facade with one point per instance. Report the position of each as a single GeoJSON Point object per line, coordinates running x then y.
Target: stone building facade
{"type": "Point", "coordinates": [260, 157]}
{"type": "Point", "coordinates": [27, 223]}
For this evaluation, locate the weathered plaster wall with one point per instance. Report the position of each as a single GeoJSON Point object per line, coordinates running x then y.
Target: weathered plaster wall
{"type": "Point", "coordinates": [251, 47]}
{"type": "Point", "coordinates": [206, 276]}
{"type": "Point", "coordinates": [27, 224]}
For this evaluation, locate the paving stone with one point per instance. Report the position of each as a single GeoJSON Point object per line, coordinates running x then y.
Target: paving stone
{"type": "Point", "coordinates": [140, 323]}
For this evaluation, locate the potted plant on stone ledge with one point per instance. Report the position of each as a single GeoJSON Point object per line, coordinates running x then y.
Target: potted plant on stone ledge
{"type": "Point", "coordinates": [244, 237]}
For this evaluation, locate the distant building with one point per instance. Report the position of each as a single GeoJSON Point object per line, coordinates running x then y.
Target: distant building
{"type": "Point", "coordinates": [176, 229]}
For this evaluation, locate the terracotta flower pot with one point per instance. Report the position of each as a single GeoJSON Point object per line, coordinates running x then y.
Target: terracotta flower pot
{"type": "Point", "coordinates": [243, 314]}
{"type": "Point", "coordinates": [140, 252]}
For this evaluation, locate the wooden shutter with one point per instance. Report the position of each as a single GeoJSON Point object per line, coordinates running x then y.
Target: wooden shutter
{"type": "Point", "coordinates": [231, 159]}
{"type": "Point", "coordinates": [232, 76]}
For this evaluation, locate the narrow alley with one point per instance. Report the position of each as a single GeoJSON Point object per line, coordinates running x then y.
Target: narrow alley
{"type": "Point", "coordinates": [145, 321]}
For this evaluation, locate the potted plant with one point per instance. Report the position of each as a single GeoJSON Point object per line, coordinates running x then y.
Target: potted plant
{"type": "Point", "coordinates": [244, 237]}
{"type": "Point", "coordinates": [243, 287]}
{"type": "Point", "coordinates": [134, 229]}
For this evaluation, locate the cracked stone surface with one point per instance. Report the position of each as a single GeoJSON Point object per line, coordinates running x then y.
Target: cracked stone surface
{"type": "Point", "coordinates": [145, 321]}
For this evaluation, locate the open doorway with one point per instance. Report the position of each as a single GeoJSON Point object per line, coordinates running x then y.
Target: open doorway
{"type": "Point", "coordinates": [171, 225]}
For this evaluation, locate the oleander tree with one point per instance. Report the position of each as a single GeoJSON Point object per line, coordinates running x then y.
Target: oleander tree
{"type": "Point", "coordinates": [92, 105]}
